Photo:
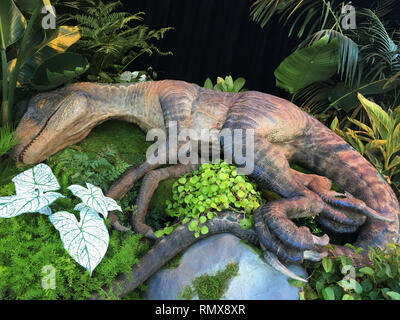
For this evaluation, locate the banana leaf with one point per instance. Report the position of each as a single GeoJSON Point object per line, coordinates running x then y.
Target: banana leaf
{"type": "Point", "coordinates": [30, 5]}
{"type": "Point", "coordinates": [58, 70]}
{"type": "Point", "coordinates": [43, 46]}
{"type": "Point", "coordinates": [318, 62]}
{"type": "Point", "coordinates": [13, 22]}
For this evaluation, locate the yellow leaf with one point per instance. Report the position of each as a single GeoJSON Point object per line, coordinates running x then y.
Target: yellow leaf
{"type": "Point", "coordinates": [65, 38]}
{"type": "Point", "coordinates": [378, 117]}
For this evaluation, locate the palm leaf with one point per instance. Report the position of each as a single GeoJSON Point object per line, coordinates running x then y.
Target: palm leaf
{"type": "Point", "coordinates": [349, 101]}
{"type": "Point", "coordinates": [348, 62]}
{"type": "Point", "coordinates": [318, 62]}
{"type": "Point", "coordinates": [311, 13]}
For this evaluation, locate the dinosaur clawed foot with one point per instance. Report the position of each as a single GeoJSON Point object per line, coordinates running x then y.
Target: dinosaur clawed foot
{"type": "Point", "coordinates": [282, 237]}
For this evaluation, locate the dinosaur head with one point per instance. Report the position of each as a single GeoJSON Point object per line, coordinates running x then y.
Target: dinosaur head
{"type": "Point", "coordinates": [53, 121]}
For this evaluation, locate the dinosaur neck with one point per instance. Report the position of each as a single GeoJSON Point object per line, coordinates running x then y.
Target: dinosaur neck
{"type": "Point", "coordinates": [136, 103]}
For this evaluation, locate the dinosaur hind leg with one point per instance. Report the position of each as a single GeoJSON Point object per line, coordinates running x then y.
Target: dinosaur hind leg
{"type": "Point", "coordinates": [272, 221]}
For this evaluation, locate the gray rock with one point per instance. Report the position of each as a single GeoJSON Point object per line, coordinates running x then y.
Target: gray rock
{"type": "Point", "coordinates": [255, 280]}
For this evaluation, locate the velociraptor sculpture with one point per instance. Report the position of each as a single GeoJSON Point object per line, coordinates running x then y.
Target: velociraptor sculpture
{"type": "Point", "coordinates": [283, 133]}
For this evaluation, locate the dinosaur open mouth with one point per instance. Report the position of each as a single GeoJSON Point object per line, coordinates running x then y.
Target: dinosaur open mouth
{"type": "Point", "coordinates": [25, 149]}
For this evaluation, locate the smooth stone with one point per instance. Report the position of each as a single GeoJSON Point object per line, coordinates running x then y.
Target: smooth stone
{"type": "Point", "coordinates": [256, 280]}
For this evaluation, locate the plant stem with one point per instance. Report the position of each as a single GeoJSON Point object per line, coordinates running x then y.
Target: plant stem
{"type": "Point", "coordinates": [15, 72]}
{"type": "Point", "coordinates": [131, 61]}
{"type": "Point", "coordinates": [4, 103]}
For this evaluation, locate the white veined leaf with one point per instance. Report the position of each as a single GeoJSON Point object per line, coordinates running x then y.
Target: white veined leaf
{"type": "Point", "coordinates": [112, 205]}
{"type": "Point", "coordinates": [85, 240]}
{"type": "Point", "coordinates": [39, 177]}
{"type": "Point", "coordinates": [94, 198]}
{"type": "Point", "coordinates": [26, 202]}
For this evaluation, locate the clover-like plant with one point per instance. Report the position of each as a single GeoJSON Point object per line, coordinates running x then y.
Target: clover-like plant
{"type": "Point", "coordinates": [85, 240]}
{"type": "Point", "coordinates": [199, 196]}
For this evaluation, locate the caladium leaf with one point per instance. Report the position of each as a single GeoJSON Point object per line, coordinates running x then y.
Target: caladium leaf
{"type": "Point", "coordinates": [85, 240]}
{"type": "Point", "coordinates": [39, 178]}
{"type": "Point", "coordinates": [28, 202]}
{"type": "Point", "coordinates": [94, 198]}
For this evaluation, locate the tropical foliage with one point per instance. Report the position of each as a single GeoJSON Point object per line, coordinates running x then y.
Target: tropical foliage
{"type": "Point", "coordinates": [226, 85]}
{"type": "Point", "coordinates": [338, 279]}
{"type": "Point", "coordinates": [111, 40]}
{"type": "Point", "coordinates": [26, 46]}
{"type": "Point", "coordinates": [337, 62]}
{"type": "Point", "coordinates": [379, 142]}
{"type": "Point", "coordinates": [85, 240]}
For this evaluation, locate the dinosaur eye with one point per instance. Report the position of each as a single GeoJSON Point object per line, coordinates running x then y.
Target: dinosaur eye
{"type": "Point", "coordinates": [42, 104]}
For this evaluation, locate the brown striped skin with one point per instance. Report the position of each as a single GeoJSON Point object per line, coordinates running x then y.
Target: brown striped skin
{"type": "Point", "coordinates": [282, 132]}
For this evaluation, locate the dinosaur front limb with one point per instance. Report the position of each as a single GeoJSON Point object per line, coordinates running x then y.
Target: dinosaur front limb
{"type": "Point", "coordinates": [149, 185]}
{"type": "Point", "coordinates": [122, 186]}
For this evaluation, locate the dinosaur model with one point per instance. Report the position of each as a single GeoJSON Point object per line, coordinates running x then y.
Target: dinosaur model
{"type": "Point", "coordinates": [282, 133]}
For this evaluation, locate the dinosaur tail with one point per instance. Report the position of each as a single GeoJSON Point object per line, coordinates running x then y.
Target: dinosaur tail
{"type": "Point", "coordinates": [327, 154]}
{"type": "Point", "coordinates": [170, 246]}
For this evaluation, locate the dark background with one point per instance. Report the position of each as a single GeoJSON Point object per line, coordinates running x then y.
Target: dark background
{"type": "Point", "coordinates": [217, 38]}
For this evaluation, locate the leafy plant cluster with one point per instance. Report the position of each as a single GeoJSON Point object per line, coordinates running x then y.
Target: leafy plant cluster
{"type": "Point", "coordinates": [39, 246]}
{"type": "Point", "coordinates": [7, 140]}
{"type": "Point", "coordinates": [76, 166]}
{"type": "Point", "coordinates": [379, 142]}
{"type": "Point", "coordinates": [338, 279]}
{"type": "Point", "coordinates": [333, 63]}
{"type": "Point", "coordinates": [111, 40]}
{"type": "Point", "coordinates": [32, 55]}
{"type": "Point", "coordinates": [226, 85]}
{"type": "Point", "coordinates": [198, 196]}
{"type": "Point", "coordinates": [85, 240]}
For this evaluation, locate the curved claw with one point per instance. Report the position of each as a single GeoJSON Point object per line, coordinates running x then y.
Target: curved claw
{"type": "Point", "coordinates": [314, 256]}
{"type": "Point", "coordinates": [321, 241]}
{"type": "Point", "coordinates": [274, 262]}
{"type": "Point", "coordinates": [371, 213]}
{"type": "Point", "coordinates": [354, 205]}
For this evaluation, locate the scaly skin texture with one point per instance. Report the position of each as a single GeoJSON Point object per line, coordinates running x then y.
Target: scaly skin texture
{"type": "Point", "coordinates": [282, 131]}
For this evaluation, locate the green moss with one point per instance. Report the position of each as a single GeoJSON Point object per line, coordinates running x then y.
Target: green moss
{"type": "Point", "coordinates": [210, 287]}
